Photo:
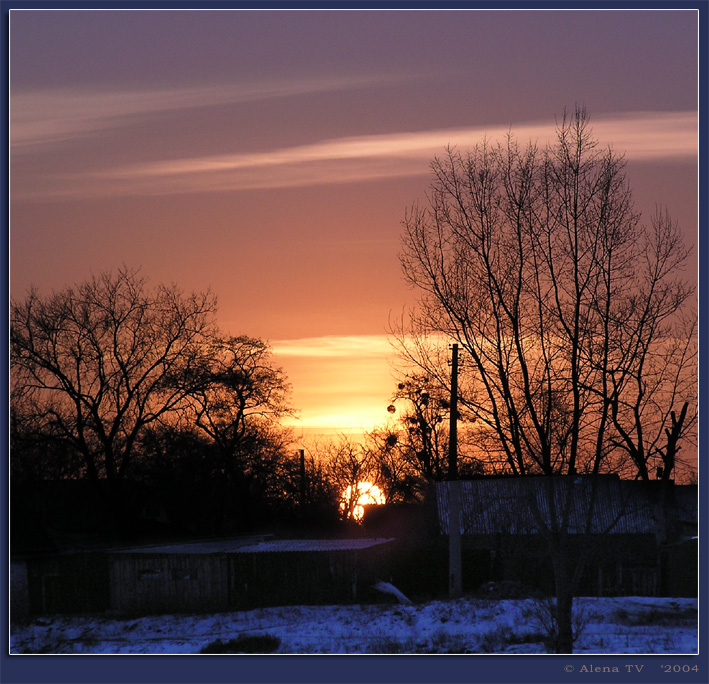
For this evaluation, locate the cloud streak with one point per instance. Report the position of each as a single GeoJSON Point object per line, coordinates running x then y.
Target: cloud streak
{"type": "Point", "coordinates": [359, 346]}
{"type": "Point", "coordinates": [50, 116]}
{"type": "Point", "coordinates": [641, 136]}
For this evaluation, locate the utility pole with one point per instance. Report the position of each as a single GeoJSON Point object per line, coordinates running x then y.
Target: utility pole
{"type": "Point", "coordinates": [453, 429]}
{"type": "Point", "coordinates": [455, 578]}
{"type": "Point", "coordinates": [302, 479]}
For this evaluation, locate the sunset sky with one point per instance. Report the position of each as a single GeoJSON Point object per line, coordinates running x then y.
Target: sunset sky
{"type": "Point", "coordinates": [271, 155]}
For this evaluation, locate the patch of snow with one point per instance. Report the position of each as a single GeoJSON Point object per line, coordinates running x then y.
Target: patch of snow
{"type": "Point", "coordinates": [637, 625]}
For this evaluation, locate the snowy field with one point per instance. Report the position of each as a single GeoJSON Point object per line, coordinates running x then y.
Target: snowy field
{"type": "Point", "coordinates": [638, 625]}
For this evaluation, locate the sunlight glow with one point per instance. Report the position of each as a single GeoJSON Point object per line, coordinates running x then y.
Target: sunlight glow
{"type": "Point", "coordinates": [355, 500]}
{"type": "Point", "coordinates": [335, 346]}
{"type": "Point", "coordinates": [340, 384]}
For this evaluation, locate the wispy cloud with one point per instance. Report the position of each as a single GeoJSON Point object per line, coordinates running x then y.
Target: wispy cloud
{"type": "Point", "coordinates": [47, 116]}
{"type": "Point", "coordinates": [360, 346]}
{"type": "Point", "coordinates": [642, 136]}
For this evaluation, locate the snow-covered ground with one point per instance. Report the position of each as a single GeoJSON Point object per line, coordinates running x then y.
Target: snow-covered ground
{"type": "Point", "coordinates": [638, 625]}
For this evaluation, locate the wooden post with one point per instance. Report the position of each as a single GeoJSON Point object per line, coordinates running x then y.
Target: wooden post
{"type": "Point", "coordinates": [455, 579]}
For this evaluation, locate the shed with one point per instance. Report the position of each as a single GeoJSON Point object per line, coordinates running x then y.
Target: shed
{"type": "Point", "coordinates": [505, 523]}
{"type": "Point", "coordinates": [242, 574]}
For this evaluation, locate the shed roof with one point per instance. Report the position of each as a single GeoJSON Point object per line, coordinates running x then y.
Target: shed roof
{"type": "Point", "coordinates": [291, 545]}
{"type": "Point", "coordinates": [250, 545]}
{"type": "Point", "coordinates": [528, 505]}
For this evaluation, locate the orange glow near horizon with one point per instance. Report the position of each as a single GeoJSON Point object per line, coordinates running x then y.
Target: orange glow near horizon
{"type": "Point", "coordinates": [341, 385]}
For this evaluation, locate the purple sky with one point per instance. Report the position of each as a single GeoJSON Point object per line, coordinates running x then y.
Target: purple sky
{"type": "Point", "coordinates": [270, 155]}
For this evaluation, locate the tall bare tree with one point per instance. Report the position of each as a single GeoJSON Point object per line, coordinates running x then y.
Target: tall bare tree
{"type": "Point", "coordinates": [567, 307]}
{"type": "Point", "coordinates": [397, 466]}
{"type": "Point", "coordinates": [423, 438]}
{"type": "Point", "coordinates": [98, 362]}
{"type": "Point", "coordinates": [420, 437]}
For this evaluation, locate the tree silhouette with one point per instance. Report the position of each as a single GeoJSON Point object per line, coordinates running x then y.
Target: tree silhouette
{"type": "Point", "coordinates": [97, 362]}
{"type": "Point", "coordinates": [421, 405]}
{"type": "Point", "coordinates": [237, 397]}
{"type": "Point", "coordinates": [350, 470]}
{"type": "Point", "coordinates": [570, 310]}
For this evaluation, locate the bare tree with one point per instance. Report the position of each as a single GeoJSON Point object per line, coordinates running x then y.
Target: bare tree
{"type": "Point", "coordinates": [566, 306]}
{"type": "Point", "coordinates": [98, 361]}
{"type": "Point", "coordinates": [350, 469]}
{"type": "Point", "coordinates": [422, 412]}
{"type": "Point", "coordinates": [236, 388]}
{"type": "Point", "coordinates": [237, 397]}
{"type": "Point", "coordinates": [305, 492]}
{"type": "Point", "coordinates": [37, 452]}
{"type": "Point", "coordinates": [421, 404]}
{"type": "Point", "coordinates": [398, 469]}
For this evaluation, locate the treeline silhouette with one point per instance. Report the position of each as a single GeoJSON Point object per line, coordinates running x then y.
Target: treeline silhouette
{"type": "Point", "coordinates": [131, 414]}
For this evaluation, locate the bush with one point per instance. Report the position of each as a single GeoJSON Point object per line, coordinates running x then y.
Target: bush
{"type": "Point", "coordinates": [245, 643]}
{"type": "Point", "coordinates": [545, 619]}
{"type": "Point", "coordinates": [496, 640]}
{"type": "Point", "coordinates": [442, 642]}
{"type": "Point", "coordinates": [387, 645]}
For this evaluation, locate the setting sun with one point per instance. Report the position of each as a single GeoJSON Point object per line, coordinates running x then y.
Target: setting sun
{"type": "Point", "coordinates": [354, 500]}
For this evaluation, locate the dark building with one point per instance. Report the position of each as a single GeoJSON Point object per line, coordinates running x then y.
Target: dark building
{"type": "Point", "coordinates": [634, 533]}
{"type": "Point", "coordinates": [207, 576]}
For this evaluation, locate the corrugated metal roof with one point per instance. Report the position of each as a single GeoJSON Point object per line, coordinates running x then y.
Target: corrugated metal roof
{"type": "Point", "coordinates": [526, 505]}
{"type": "Point", "coordinates": [250, 545]}
{"type": "Point", "coordinates": [290, 545]}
